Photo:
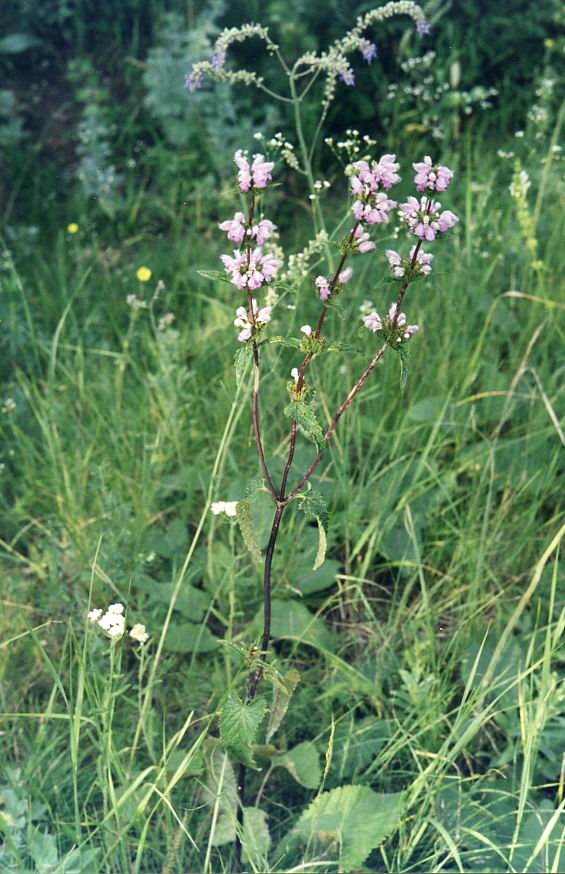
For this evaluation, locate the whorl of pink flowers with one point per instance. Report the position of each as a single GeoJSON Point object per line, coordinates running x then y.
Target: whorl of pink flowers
{"type": "Point", "coordinates": [399, 266]}
{"type": "Point", "coordinates": [362, 241]}
{"type": "Point", "coordinates": [323, 287]}
{"type": "Point", "coordinates": [237, 229]}
{"type": "Point", "coordinates": [261, 317]}
{"type": "Point", "coordinates": [250, 270]}
{"type": "Point", "coordinates": [257, 175]}
{"type": "Point", "coordinates": [373, 322]}
{"type": "Point", "coordinates": [424, 218]}
{"type": "Point", "coordinates": [371, 205]}
{"type": "Point", "coordinates": [433, 177]}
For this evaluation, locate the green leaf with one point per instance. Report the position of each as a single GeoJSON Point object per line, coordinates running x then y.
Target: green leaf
{"type": "Point", "coordinates": [240, 362]}
{"type": "Point", "coordinates": [305, 417]}
{"type": "Point", "coordinates": [314, 504]}
{"type": "Point", "coordinates": [350, 821]}
{"type": "Point", "coordinates": [355, 745]}
{"type": "Point", "coordinates": [293, 621]}
{"type": "Point", "coordinates": [14, 43]}
{"type": "Point", "coordinates": [256, 838]}
{"type": "Point", "coordinates": [239, 723]}
{"type": "Point", "coordinates": [344, 347]}
{"type": "Point", "coordinates": [303, 763]}
{"type": "Point", "coordinates": [282, 694]}
{"type": "Point", "coordinates": [43, 850]}
{"type": "Point", "coordinates": [214, 275]}
{"type": "Point", "coordinates": [243, 516]}
{"type": "Point", "coordinates": [190, 637]}
{"type": "Point", "coordinates": [221, 790]}
{"type": "Point", "coordinates": [191, 602]}
{"type": "Point", "coordinates": [309, 581]}
{"type": "Point", "coordinates": [292, 342]}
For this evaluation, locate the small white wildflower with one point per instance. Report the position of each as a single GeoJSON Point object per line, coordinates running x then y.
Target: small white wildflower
{"type": "Point", "coordinates": [9, 406]}
{"type": "Point", "coordinates": [94, 615]}
{"type": "Point", "coordinates": [166, 321]}
{"type": "Point", "coordinates": [306, 329]}
{"type": "Point", "coordinates": [227, 507]}
{"type": "Point", "coordinates": [139, 633]}
{"type": "Point", "coordinates": [294, 373]}
{"type": "Point", "coordinates": [116, 608]}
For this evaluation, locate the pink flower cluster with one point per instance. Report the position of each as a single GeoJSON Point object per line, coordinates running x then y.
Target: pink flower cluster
{"type": "Point", "coordinates": [373, 322]}
{"type": "Point", "coordinates": [371, 205]}
{"type": "Point", "coordinates": [434, 177]}
{"type": "Point", "coordinates": [250, 269]}
{"type": "Point", "coordinates": [257, 175]}
{"type": "Point", "coordinates": [424, 218]}
{"type": "Point", "coordinates": [237, 229]}
{"type": "Point", "coordinates": [399, 266]}
{"type": "Point", "coordinates": [260, 318]}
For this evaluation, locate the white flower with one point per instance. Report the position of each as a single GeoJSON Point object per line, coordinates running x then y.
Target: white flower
{"type": "Point", "coordinates": [139, 633]}
{"type": "Point", "coordinates": [306, 329]}
{"type": "Point", "coordinates": [294, 373]}
{"type": "Point", "coordinates": [116, 608]}
{"type": "Point", "coordinates": [116, 631]}
{"type": "Point", "coordinates": [94, 615]}
{"type": "Point", "coordinates": [227, 507]}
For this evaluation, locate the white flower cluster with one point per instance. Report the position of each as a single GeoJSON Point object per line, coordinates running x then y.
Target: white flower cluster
{"type": "Point", "coordinates": [283, 147]}
{"type": "Point", "coordinates": [113, 622]}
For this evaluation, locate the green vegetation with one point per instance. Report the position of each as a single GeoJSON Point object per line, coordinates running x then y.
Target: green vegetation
{"type": "Point", "coordinates": [414, 721]}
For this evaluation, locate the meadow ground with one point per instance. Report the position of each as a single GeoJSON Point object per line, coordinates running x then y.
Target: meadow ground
{"type": "Point", "coordinates": [428, 645]}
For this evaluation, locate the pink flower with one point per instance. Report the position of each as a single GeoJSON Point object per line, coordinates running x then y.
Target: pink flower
{"type": "Point", "coordinates": [255, 176]}
{"type": "Point", "coordinates": [447, 220]}
{"type": "Point", "coordinates": [395, 262]}
{"type": "Point", "coordinates": [424, 219]}
{"type": "Point", "coordinates": [386, 171]}
{"type": "Point", "coordinates": [250, 271]}
{"type": "Point", "coordinates": [261, 171]}
{"type": "Point", "coordinates": [410, 329]}
{"type": "Point", "coordinates": [262, 231]}
{"type": "Point", "coordinates": [372, 322]}
{"type": "Point", "coordinates": [362, 240]}
{"type": "Point", "coordinates": [261, 317]}
{"type": "Point", "coordinates": [345, 275]}
{"type": "Point", "coordinates": [244, 175]}
{"type": "Point", "coordinates": [235, 228]}
{"type": "Point", "coordinates": [434, 177]}
{"type": "Point", "coordinates": [423, 261]}
{"type": "Point", "coordinates": [392, 318]}
{"type": "Point", "coordinates": [375, 210]}
{"type": "Point", "coordinates": [323, 287]}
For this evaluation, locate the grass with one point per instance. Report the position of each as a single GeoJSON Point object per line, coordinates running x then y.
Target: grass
{"type": "Point", "coordinates": [429, 645]}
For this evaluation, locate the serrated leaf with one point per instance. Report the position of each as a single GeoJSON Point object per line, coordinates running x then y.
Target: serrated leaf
{"type": "Point", "coordinates": [303, 763]}
{"type": "Point", "coordinates": [314, 504]}
{"type": "Point", "coordinates": [215, 275]}
{"type": "Point", "coordinates": [306, 419]}
{"type": "Point", "coordinates": [240, 362]}
{"type": "Point", "coordinates": [292, 342]}
{"type": "Point", "coordinates": [239, 723]}
{"type": "Point", "coordinates": [350, 821]}
{"type": "Point", "coordinates": [256, 838]}
{"type": "Point", "coordinates": [344, 347]}
{"type": "Point", "coordinates": [243, 516]}
{"type": "Point", "coordinates": [282, 694]}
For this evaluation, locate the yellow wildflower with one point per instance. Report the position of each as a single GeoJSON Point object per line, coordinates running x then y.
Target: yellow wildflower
{"type": "Point", "coordinates": [72, 228]}
{"type": "Point", "coordinates": [144, 274]}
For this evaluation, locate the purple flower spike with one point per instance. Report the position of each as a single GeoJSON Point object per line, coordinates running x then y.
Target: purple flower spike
{"type": "Point", "coordinates": [348, 77]}
{"type": "Point", "coordinates": [423, 27]}
{"type": "Point", "coordinates": [193, 83]}
{"type": "Point", "coordinates": [368, 50]}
